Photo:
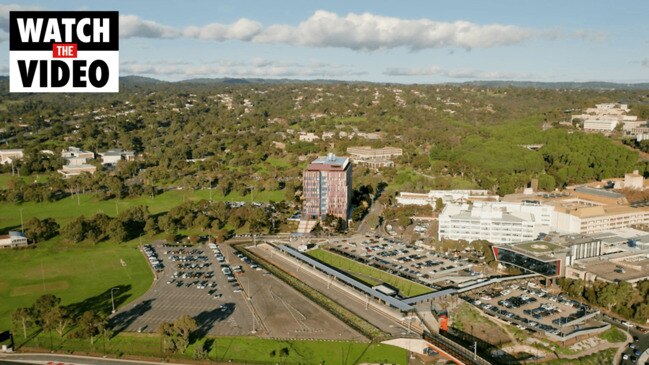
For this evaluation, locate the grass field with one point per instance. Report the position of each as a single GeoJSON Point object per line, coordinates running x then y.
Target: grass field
{"type": "Point", "coordinates": [81, 275]}
{"type": "Point", "coordinates": [613, 335]}
{"type": "Point", "coordinates": [469, 320]}
{"type": "Point", "coordinates": [4, 179]}
{"type": "Point", "coordinates": [69, 208]}
{"type": "Point", "coordinates": [369, 275]}
{"type": "Point", "coordinates": [247, 350]}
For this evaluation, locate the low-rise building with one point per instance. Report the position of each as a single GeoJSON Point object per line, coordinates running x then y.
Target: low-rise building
{"type": "Point", "coordinates": [112, 157]}
{"type": "Point", "coordinates": [13, 239]}
{"type": "Point", "coordinates": [308, 137]}
{"type": "Point", "coordinates": [76, 162]}
{"type": "Point", "coordinates": [74, 152]}
{"type": "Point", "coordinates": [447, 197]}
{"type": "Point", "coordinates": [369, 153]}
{"type": "Point", "coordinates": [9, 156]}
{"type": "Point", "coordinates": [549, 257]}
{"type": "Point", "coordinates": [374, 157]}
{"type": "Point", "coordinates": [75, 170]}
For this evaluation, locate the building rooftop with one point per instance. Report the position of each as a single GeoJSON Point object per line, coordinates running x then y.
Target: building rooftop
{"type": "Point", "coordinates": [116, 152]}
{"type": "Point", "coordinates": [329, 162]}
{"type": "Point", "coordinates": [627, 266]}
{"type": "Point", "coordinates": [539, 247]}
{"type": "Point", "coordinates": [599, 192]}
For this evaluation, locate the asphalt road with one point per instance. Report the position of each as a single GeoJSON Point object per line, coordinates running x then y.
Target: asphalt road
{"type": "Point", "coordinates": [56, 359]}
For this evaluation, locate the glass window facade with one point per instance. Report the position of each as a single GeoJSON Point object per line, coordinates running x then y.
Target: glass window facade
{"type": "Point", "coordinates": [549, 268]}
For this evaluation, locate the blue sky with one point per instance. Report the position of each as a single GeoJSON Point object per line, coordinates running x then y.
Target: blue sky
{"type": "Point", "coordinates": [385, 41]}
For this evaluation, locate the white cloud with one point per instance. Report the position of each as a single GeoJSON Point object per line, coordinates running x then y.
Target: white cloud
{"type": "Point", "coordinates": [227, 68]}
{"type": "Point", "coordinates": [456, 73]}
{"type": "Point", "coordinates": [354, 31]}
{"type": "Point", "coordinates": [243, 29]}
{"type": "Point", "coordinates": [132, 26]}
{"type": "Point", "coordinates": [370, 32]}
{"type": "Point", "coordinates": [364, 31]}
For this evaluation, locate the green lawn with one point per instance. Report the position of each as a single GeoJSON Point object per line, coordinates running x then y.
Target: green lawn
{"type": "Point", "coordinates": [613, 335]}
{"type": "Point", "coordinates": [81, 274]}
{"type": "Point", "coordinates": [4, 179]}
{"type": "Point", "coordinates": [239, 349]}
{"type": "Point", "coordinates": [69, 208]}
{"type": "Point", "coordinates": [277, 162]}
{"type": "Point", "coordinates": [468, 319]}
{"type": "Point", "coordinates": [369, 275]}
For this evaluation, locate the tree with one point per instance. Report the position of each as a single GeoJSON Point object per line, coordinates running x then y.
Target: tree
{"type": "Point", "coordinates": [184, 327]}
{"type": "Point", "coordinates": [41, 230]}
{"type": "Point", "coordinates": [118, 231]}
{"type": "Point", "coordinates": [167, 334]}
{"type": "Point", "coordinates": [202, 222]}
{"type": "Point", "coordinates": [547, 182]}
{"type": "Point", "coordinates": [90, 325]}
{"type": "Point", "coordinates": [75, 231]}
{"type": "Point", "coordinates": [57, 319]}
{"type": "Point", "coordinates": [22, 317]}
{"type": "Point", "coordinates": [358, 213]}
{"type": "Point", "coordinates": [641, 313]}
{"type": "Point", "coordinates": [44, 304]}
{"type": "Point", "coordinates": [151, 227]}
{"type": "Point", "coordinates": [439, 205]}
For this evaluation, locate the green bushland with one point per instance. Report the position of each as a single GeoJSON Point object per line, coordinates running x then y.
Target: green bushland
{"type": "Point", "coordinates": [334, 308]}
{"type": "Point", "coordinates": [369, 275]}
{"type": "Point", "coordinates": [65, 210]}
{"type": "Point", "coordinates": [248, 350]}
{"type": "Point", "coordinates": [81, 274]}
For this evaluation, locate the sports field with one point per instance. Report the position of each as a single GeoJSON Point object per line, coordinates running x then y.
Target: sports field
{"type": "Point", "coordinates": [369, 275]}
{"type": "Point", "coordinates": [80, 274]}
{"type": "Point", "coordinates": [69, 208]}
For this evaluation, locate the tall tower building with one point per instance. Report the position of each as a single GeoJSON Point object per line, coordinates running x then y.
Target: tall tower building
{"type": "Point", "coordinates": [327, 188]}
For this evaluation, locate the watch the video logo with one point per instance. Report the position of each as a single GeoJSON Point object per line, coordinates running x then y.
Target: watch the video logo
{"type": "Point", "coordinates": [64, 51]}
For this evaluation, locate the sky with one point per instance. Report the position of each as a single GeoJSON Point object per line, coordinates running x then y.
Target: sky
{"type": "Point", "coordinates": [426, 41]}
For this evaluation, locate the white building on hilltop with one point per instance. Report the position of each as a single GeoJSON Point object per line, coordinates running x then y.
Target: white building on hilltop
{"type": "Point", "coordinates": [496, 222]}
{"type": "Point", "coordinates": [606, 117]}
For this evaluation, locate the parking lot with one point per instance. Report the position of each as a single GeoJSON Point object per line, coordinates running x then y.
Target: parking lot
{"type": "Point", "coordinates": [228, 295]}
{"type": "Point", "coordinates": [415, 263]}
{"type": "Point", "coordinates": [192, 283]}
{"type": "Point", "coordinates": [532, 308]}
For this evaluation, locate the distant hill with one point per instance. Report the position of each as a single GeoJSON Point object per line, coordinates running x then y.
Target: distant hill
{"type": "Point", "coordinates": [140, 80]}
{"type": "Point", "coordinates": [133, 80]}
{"type": "Point", "coordinates": [238, 81]}
{"type": "Point", "coordinates": [592, 85]}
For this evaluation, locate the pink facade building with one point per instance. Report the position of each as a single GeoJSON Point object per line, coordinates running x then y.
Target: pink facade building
{"type": "Point", "coordinates": [327, 187]}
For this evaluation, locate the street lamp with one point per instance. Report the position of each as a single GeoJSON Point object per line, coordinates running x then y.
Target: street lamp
{"type": "Point", "coordinates": [112, 298]}
{"type": "Point", "coordinates": [22, 226]}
